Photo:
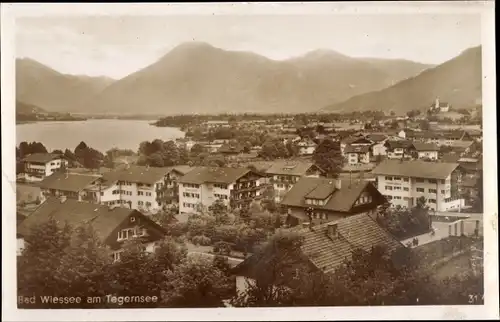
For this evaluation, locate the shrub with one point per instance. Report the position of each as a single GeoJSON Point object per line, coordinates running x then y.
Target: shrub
{"type": "Point", "coordinates": [222, 248]}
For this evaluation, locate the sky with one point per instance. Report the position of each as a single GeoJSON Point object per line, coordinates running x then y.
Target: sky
{"type": "Point", "coordinates": [116, 46]}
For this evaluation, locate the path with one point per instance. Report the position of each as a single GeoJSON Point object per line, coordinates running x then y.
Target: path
{"type": "Point", "coordinates": [440, 232]}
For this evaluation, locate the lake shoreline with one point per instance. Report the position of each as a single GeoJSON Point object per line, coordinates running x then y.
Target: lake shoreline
{"type": "Point", "coordinates": [100, 134]}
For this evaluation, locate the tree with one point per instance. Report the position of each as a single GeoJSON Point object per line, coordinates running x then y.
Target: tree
{"type": "Point", "coordinates": [328, 156]}
{"type": "Point", "coordinates": [273, 149]}
{"type": "Point", "coordinates": [196, 282]}
{"type": "Point", "coordinates": [83, 265]}
{"type": "Point", "coordinates": [196, 149]}
{"type": "Point", "coordinates": [424, 125]}
{"type": "Point", "coordinates": [292, 149]}
{"type": "Point", "coordinates": [38, 266]}
{"type": "Point", "coordinates": [393, 113]}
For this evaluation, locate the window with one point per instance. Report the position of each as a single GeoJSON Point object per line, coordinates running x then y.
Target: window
{"type": "Point", "coordinates": [406, 179]}
{"type": "Point", "coordinates": [140, 203]}
{"type": "Point", "coordinates": [432, 191]}
{"type": "Point", "coordinates": [442, 191]}
{"type": "Point", "coordinates": [419, 180]}
{"type": "Point", "coordinates": [125, 233]}
{"type": "Point", "coordinates": [308, 201]}
{"type": "Point", "coordinates": [388, 197]}
{"type": "Point", "coordinates": [432, 200]}
{"type": "Point", "coordinates": [397, 188]}
{"type": "Point", "coordinates": [102, 193]}
{"type": "Point", "coordinates": [420, 190]}
{"type": "Point", "coordinates": [220, 186]}
{"type": "Point", "coordinates": [148, 194]}
{"type": "Point", "coordinates": [388, 187]}
{"type": "Point", "coordinates": [190, 185]}
{"type": "Point", "coordinates": [396, 178]}
{"type": "Point", "coordinates": [324, 216]}
{"type": "Point", "coordinates": [443, 181]}
{"type": "Point", "coordinates": [388, 178]}
{"type": "Point", "coordinates": [140, 193]}
{"type": "Point", "coordinates": [148, 204]}
{"type": "Point", "coordinates": [397, 197]}
{"type": "Point", "coordinates": [406, 189]}
{"type": "Point", "coordinates": [432, 181]}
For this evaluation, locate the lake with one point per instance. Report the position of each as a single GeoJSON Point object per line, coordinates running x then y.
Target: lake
{"type": "Point", "coordinates": [101, 135]}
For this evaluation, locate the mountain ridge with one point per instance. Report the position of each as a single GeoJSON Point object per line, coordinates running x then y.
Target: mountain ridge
{"type": "Point", "coordinates": [457, 81]}
{"type": "Point", "coordinates": [196, 77]}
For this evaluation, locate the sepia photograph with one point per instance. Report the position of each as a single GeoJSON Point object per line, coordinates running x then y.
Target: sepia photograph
{"type": "Point", "coordinates": [323, 160]}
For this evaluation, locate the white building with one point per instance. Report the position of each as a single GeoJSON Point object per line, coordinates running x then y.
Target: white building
{"type": "Point", "coordinates": [404, 182]}
{"type": "Point", "coordinates": [201, 187]}
{"type": "Point", "coordinates": [357, 154]}
{"type": "Point", "coordinates": [143, 188]}
{"type": "Point", "coordinates": [37, 166]}
{"type": "Point", "coordinates": [440, 106]}
{"type": "Point", "coordinates": [425, 151]}
{"type": "Point", "coordinates": [306, 147]}
{"type": "Point", "coordinates": [284, 174]}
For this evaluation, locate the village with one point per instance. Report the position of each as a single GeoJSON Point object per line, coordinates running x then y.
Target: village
{"type": "Point", "coordinates": [235, 184]}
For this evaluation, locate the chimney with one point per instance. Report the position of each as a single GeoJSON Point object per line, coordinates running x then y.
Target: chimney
{"type": "Point", "coordinates": [332, 230]}
{"type": "Point", "coordinates": [62, 198]}
{"type": "Point", "coordinates": [338, 184]}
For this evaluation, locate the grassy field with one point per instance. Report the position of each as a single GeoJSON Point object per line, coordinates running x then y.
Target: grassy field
{"type": "Point", "coordinates": [456, 266]}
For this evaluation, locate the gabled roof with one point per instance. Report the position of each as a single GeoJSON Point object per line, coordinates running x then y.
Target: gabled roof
{"type": "Point", "coordinates": [296, 168]}
{"type": "Point", "coordinates": [74, 182]}
{"type": "Point", "coordinates": [416, 169]}
{"type": "Point", "coordinates": [376, 137]}
{"type": "Point", "coordinates": [142, 174]}
{"type": "Point", "coordinates": [355, 139]}
{"type": "Point", "coordinates": [230, 148]}
{"type": "Point", "coordinates": [42, 157]}
{"type": "Point", "coordinates": [419, 146]}
{"type": "Point", "coordinates": [329, 253]}
{"type": "Point", "coordinates": [225, 175]}
{"type": "Point", "coordinates": [341, 200]}
{"type": "Point", "coordinates": [103, 219]}
{"type": "Point", "coordinates": [398, 144]}
{"type": "Point", "coordinates": [357, 149]}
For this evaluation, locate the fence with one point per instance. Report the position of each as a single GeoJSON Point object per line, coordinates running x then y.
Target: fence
{"type": "Point", "coordinates": [467, 227]}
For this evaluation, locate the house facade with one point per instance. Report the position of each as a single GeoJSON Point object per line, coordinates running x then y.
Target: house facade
{"type": "Point", "coordinates": [306, 147]}
{"type": "Point", "coordinates": [398, 149]}
{"type": "Point", "coordinates": [71, 185]}
{"type": "Point", "coordinates": [323, 199]}
{"type": "Point", "coordinates": [37, 166]}
{"type": "Point", "coordinates": [146, 188]}
{"type": "Point", "coordinates": [404, 182]}
{"type": "Point", "coordinates": [357, 154]}
{"type": "Point", "coordinates": [201, 187]}
{"type": "Point", "coordinates": [425, 151]}
{"type": "Point", "coordinates": [112, 226]}
{"type": "Point", "coordinates": [284, 174]}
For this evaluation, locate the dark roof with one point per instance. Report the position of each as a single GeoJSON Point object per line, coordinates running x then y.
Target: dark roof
{"type": "Point", "coordinates": [321, 191]}
{"type": "Point", "coordinates": [353, 139]}
{"type": "Point", "coordinates": [326, 253]}
{"type": "Point", "coordinates": [103, 219]}
{"type": "Point", "coordinates": [376, 137]}
{"type": "Point", "coordinates": [357, 231]}
{"type": "Point", "coordinates": [42, 157]}
{"type": "Point", "coordinates": [225, 175]}
{"type": "Point", "coordinates": [357, 149]}
{"type": "Point", "coordinates": [341, 200]}
{"type": "Point", "coordinates": [297, 168]}
{"type": "Point", "coordinates": [142, 174]}
{"type": "Point", "coordinates": [396, 144]}
{"type": "Point", "coordinates": [416, 168]}
{"type": "Point", "coordinates": [74, 182]}
{"type": "Point", "coordinates": [230, 148]}
{"type": "Point", "coordinates": [419, 146]}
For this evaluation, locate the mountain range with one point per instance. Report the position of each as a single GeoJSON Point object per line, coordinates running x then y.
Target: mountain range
{"type": "Point", "coordinates": [46, 88]}
{"type": "Point", "coordinates": [196, 77]}
{"type": "Point", "coordinates": [199, 78]}
{"type": "Point", "coordinates": [457, 82]}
